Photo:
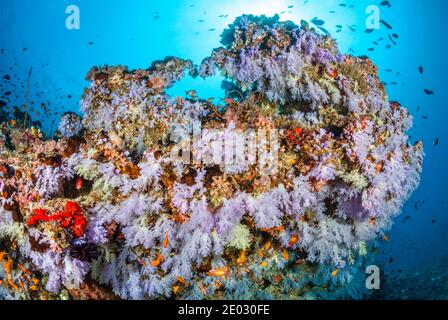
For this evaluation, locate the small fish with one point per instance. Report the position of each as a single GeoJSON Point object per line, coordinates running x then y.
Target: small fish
{"type": "Point", "coordinates": [6, 77]}
{"type": "Point", "coordinates": [191, 93]}
{"type": "Point", "coordinates": [78, 183]}
{"type": "Point", "coordinates": [386, 4]}
{"type": "Point", "coordinates": [165, 242]}
{"type": "Point", "coordinates": [420, 70]}
{"type": "Point", "coordinates": [293, 240]}
{"type": "Point", "coordinates": [290, 6]}
{"type": "Point", "coordinates": [267, 245]}
{"type": "Point", "coordinates": [407, 218]}
{"type": "Point", "coordinates": [182, 281]}
{"type": "Point", "coordinates": [335, 273]}
{"type": "Point", "coordinates": [176, 289]}
{"type": "Point", "coordinates": [34, 132]}
{"type": "Point", "coordinates": [7, 266]}
{"type": "Point", "coordinates": [156, 262]}
{"type": "Point", "coordinates": [433, 221]}
{"type": "Point", "coordinates": [351, 28]}
{"type": "Point", "coordinates": [429, 92]}
{"type": "Point", "coordinates": [219, 272]}
{"type": "Point", "coordinates": [369, 30]}
{"type": "Point", "coordinates": [264, 264]}
{"type": "Point", "coordinates": [436, 142]}
{"type": "Point", "coordinates": [392, 40]}
{"type": "Point", "coordinates": [387, 25]}
{"type": "Point", "coordinates": [285, 254]}
{"type": "Point", "coordinates": [317, 22]}
{"type": "Point", "coordinates": [212, 29]}
{"type": "Point", "coordinates": [201, 20]}
{"type": "Point", "coordinates": [242, 258]}
{"type": "Point", "coordinates": [325, 31]}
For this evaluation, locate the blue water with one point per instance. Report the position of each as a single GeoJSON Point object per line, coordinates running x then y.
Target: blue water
{"type": "Point", "coordinates": [33, 34]}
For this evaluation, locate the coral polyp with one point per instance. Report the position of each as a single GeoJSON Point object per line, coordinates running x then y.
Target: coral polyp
{"type": "Point", "coordinates": [106, 210]}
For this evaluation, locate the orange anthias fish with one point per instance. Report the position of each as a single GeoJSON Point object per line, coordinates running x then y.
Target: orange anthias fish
{"type": "Point", "coordinates": [285, 254]}
{"type": "Point", "coordinates": [219, 272]}
{"type": "Point", "coordinates": [176, 289]}
{"type": "Point", "coordinates": [7, 266]}
{"type": "Point", "coordinates": [242, 258]}
{"type": "Point", "coordinates": [78, 183]}
{"type": "Point", "coordinates": [267, 245]}
{"type": "Point", "coordinates": [182, 281]}
{"type": "Point", "coordinates": [272, 231]}
{"type": "Point", "coordinates": [157, 261]}
{"type": "Point", "coordinates": [165, 242]}
{"type": "Point", "coordinates": [335, 272]}
{"type": "Point", "coordinates": [294, 239]}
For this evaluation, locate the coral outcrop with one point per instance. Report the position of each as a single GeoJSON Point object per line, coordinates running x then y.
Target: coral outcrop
{"type": "Point", "coordinates": [111, 207]}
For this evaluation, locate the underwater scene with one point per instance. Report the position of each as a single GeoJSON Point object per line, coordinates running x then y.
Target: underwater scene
{"type": "Point", "coordinates": [223, 150]}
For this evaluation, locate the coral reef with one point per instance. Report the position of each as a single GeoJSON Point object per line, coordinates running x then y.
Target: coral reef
{"type": "Point", "coordinates": [107, 211]}
{"type": "Point", "coordinates": [70, 125]}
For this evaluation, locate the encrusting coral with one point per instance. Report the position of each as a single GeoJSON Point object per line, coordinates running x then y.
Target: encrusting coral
{"type": "Point", "coordinates": [106, 211]}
